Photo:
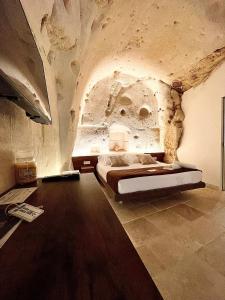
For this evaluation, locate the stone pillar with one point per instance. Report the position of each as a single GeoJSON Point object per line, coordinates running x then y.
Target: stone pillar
{"type": "Point", "coordinates": [174, 126]}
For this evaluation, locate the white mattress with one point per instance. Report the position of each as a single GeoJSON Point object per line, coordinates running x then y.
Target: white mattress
{"type": "Point", "coordinates": [144, 183]}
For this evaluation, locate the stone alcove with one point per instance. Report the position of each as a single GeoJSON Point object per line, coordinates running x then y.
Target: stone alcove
{"type": "Point", "coordinates": [149, 109]}
{"type": "Point", "coordinates": [123, 100]}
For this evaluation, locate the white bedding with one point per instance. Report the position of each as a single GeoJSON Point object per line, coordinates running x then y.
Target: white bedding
{"type": "Point", "coordinates": [144, 183]}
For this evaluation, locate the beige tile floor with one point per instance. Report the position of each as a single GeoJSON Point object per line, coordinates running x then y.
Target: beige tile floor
{"type": "Point", "coordinates": [181, 240]}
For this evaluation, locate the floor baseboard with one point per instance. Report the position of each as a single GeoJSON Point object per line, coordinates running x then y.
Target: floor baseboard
{"type": "Point", "coordinates": [213, 187]}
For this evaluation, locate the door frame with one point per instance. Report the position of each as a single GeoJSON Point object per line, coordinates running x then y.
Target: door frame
{"type": "Point", "coordinates": [222, 144]}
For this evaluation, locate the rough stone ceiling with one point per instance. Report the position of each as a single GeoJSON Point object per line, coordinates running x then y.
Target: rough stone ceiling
{"type": "Point", "coordinates": [172, 38]}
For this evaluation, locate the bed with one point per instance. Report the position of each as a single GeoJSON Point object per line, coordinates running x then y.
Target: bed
{"type": "Point", "coordinates": [157, 179]}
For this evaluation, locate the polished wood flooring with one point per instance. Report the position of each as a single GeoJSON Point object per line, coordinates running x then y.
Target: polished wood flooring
{"type": "Point", "coordinates": [76, 250]}
{"type": "Point", "coordinates": [181, 240]}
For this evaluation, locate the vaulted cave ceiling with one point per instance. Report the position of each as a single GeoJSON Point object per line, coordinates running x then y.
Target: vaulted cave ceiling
{"type": "Point", "coordinates": [175, 40]}
{"type": "Point", "coordinates": [171, 40]}
{"type": "Point", "coordinates": [178, 42]}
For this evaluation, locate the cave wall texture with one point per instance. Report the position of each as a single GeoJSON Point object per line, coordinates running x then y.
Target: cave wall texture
{"type": "Point", "coordinates": [148, 108]}
{"type": "Point", "coordinates": [176, 43]}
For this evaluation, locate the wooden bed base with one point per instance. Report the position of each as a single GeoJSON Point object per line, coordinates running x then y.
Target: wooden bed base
{"type": "Point", "coordinates": [147, 195]}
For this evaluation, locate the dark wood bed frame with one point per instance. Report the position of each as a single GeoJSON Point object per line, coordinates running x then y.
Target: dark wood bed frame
{"type": "Point", "coordinates": [147, 195]}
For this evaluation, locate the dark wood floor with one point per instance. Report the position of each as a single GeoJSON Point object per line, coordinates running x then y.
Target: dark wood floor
{"type": "Point", "coordinates": [76, 250]}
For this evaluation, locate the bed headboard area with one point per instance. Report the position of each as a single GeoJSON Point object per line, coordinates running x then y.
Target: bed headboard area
{"type": "Point", "coordinates": [87, 163]}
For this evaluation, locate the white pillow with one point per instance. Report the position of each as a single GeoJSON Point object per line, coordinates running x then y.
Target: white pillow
{"type": "Point", "coordinates": [118, 161]}
{"type": "Point", "coordinates": [104, 159]}
{"type": "Point", "coordinates": [131, 158]}
{"type": "Point", "coordinates": [146, 159]}
{"type": "Point", "coordinates": [185, 165]}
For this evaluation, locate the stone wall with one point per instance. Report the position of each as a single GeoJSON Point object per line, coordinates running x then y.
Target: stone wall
{"type": "Point", "coordinates": [19, 133]}
{"type": "Point", "coordinates": [150, 110]}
